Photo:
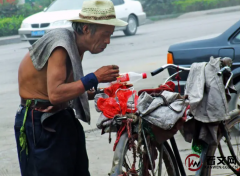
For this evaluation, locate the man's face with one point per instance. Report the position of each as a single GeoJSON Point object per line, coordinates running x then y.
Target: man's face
{"type": "Point", "coordinates": [99, 41]}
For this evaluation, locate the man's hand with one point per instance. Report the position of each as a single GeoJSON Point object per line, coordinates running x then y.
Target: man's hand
{"type": "Point", "coordinates": [91, 93]}
{"type": "Point", "coordinates": [126, 84]}
{"type": "Point", "coordinates": [107, 73]}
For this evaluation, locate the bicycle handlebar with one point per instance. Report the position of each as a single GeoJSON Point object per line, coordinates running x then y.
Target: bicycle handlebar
{"type": "Point", "coordinates": [223, 71]}
{"type": "Point", "coordinates": [159, 70]}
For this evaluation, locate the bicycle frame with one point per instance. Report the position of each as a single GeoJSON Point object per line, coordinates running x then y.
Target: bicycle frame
{"type": "Point", "coordinates": [233, 114]}
{"type": "Point", "coordinates": [124, 139]}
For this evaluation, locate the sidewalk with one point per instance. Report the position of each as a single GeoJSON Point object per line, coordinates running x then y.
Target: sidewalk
{"type": "Point", "coordinates": [16, 38]}
{"type": "Point", "coordinates": [210, 12]}
{"type": "Point", "coordinates": [10, 40]}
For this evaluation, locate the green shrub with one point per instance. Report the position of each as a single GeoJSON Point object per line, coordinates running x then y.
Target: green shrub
{"type": "Point", "coordinates": [12, 15]}
{"type": "Point", "coordinates": [27, 9]}
{"type": "Point", "coordinates": [7, 8]}
{"type": "Point", "coordinates": [10, 26]}
{"type": "Point", "coordinates": [165, 7]}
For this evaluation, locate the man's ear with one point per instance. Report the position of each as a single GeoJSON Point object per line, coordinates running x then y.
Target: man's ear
{"type": "Point", "coordinates": [86, 29]}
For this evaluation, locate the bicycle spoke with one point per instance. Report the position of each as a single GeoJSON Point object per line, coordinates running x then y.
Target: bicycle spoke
{"type": "Point", "coordinates": [126, 165]}
{"type": "Point", "coordinates": [237, 148]}
{"type": "Point", "coordinates": [129, 161]}
{"type": "Point", "coordinates": [168, 166]}
{"type": "Point", "coordinates": [231, 148]}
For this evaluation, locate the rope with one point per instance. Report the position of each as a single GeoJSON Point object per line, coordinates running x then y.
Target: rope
{"type": "Point", "coordinates": [132, 171]}
{"type": "Point", "coordinates": [23, 137]}
{"type": "Point", "coordinates": [131, 118]}
{"type": "Point", "coordinates": [119, 134]}
{"type": "Point", "coordinates": [140, 140]}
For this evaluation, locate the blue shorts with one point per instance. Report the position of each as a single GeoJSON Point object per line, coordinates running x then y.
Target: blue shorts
{"type": "Point", "coordinates": [59, 153]}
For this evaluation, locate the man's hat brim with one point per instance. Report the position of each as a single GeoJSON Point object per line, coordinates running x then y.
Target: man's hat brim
{"type": "Point", "coordinates": [111, 22]}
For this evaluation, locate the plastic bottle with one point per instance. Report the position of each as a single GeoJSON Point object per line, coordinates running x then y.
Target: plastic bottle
{"type": "Point", "coordinates": [130, 77]}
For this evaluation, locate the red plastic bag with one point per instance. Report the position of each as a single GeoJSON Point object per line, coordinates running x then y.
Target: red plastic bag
{"type": "Point", "coordinates": [110, 106]}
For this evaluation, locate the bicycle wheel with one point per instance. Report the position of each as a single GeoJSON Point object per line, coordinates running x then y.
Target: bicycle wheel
{"type": "Point", "coordinates": [229, 146]}
{"type": "Point", "coordinates": [169, 165]}
{"type": "Point", "coordinates": [226, 149]}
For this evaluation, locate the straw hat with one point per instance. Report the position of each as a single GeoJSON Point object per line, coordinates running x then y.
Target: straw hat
{"type": "Point", "coordinates": [100, 12]}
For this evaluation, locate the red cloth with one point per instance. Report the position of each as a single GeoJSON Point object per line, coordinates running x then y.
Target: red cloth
{"type": "Point", "coordinates": [110, 107]}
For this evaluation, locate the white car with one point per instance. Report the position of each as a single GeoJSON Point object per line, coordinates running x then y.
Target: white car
{"type": "Point", "coordinates": [56, 15]}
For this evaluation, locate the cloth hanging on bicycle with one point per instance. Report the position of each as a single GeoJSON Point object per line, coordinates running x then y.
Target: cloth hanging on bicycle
{"type": "Point", "coordinates": [157, 112]}
{"type": "Point", "coordinates": [206, 92]}
{"type": "Point", "coordinates": [207, 132]}
{"type": "Point", "coordinates": [208, 102]}
{"type": "Point", "coordinates": [40, 52]}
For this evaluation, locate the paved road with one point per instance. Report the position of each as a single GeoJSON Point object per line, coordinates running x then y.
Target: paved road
{"type": "Point", "coordinates": [143, 52]}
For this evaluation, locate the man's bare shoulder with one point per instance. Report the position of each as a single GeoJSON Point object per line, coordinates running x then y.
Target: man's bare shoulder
{"type": "Point", "coordinates": [59, 52]}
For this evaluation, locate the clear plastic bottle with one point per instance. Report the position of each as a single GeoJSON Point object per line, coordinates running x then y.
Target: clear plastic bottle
{"type": "Point", "coordinates": [130, 77]}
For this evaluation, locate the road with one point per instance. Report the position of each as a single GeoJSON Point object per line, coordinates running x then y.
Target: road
{"type": "Point", "coordinates": [143, 52]}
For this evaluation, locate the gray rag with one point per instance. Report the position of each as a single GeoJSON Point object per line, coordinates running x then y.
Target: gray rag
{"type": "Point", "coordinates": [40, 52]}
{"type": "Point", "coordinates": [156, 112]}
{"type": "Point", "coordinates": [206, 92]}
{"type": "Point", "coordinates": [208, 103]}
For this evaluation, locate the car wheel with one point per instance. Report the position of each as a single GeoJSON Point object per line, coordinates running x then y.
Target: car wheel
{"type": "Point", "coordinates": [132, 26]}
{"type": "Point", "coordinates": [32, 41]}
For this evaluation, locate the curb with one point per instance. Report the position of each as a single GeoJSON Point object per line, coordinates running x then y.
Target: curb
{"type": "Point", "coordinates": [210, 12]}
{"type": "Point", "coordinates": [162, 17]}
{"type": "Point", "coordinates": [10, 40]}
{"type": "Point", "coordinates": [148, 21]}
{"type": "Point", "coordinates": [194, 14]}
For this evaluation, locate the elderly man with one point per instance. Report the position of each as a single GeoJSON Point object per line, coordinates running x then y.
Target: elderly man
{"type": "Point", "coordinates": [50, 140]}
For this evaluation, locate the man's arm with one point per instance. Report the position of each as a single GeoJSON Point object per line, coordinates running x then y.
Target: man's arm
{"type": "Point", "coordinates": [58, 90]}
{"type": "Point", "coordinates": [61, 92]}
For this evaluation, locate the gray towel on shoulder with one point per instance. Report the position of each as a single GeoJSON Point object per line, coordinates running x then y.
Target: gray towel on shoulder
{"type": "Point", "coordinates": [41, 50]}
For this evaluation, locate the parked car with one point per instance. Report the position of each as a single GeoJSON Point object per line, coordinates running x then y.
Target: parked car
{"type": "Point", "coordinates": [226, 44]}
{"type": "Point", "coordinates": [56, 15]}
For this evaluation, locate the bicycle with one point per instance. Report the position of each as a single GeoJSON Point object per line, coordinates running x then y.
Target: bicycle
{"type": "Point", "coordinates": [140, 161]}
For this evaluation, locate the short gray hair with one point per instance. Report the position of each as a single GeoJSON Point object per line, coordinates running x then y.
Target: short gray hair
{"type": "Point", "coordinates": [78, 27]}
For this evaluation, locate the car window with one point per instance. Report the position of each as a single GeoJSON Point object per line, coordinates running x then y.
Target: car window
{"type": "Point", "coordinates": [117, 2]}
{"type": "Point", "coordinates": [236, 38]}
{"type": "Point", "coordinates": [65, 5]}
